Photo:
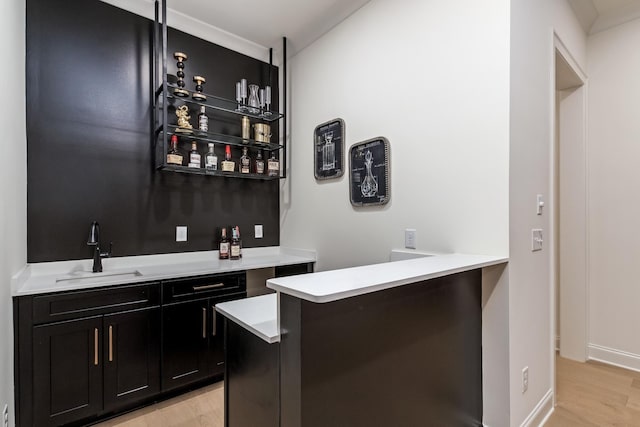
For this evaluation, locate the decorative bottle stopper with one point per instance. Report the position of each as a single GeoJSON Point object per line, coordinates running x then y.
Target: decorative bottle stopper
{"type": "Point", "coordinates": [198, 95]}
{"type": "Point", "coordinates": [180, 90]}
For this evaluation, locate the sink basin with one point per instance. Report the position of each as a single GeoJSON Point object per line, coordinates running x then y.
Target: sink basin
{"type": "Point", "coordinates": [89, 277]}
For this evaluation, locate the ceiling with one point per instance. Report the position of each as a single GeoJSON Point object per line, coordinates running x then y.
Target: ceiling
{"type": "Point", "coordinates": [266, 22]}
{"type": "Point", "coordinates": [599, 15]}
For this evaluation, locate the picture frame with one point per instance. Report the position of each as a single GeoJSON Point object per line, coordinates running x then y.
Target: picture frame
{"type": "Point", "coordinates": [328, 149]}
{"type": "Point", "coordinates": [369, 172]}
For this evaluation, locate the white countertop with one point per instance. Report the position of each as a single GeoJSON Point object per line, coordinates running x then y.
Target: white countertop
{"type": "Point", "coordinates": [257, 314]}
{"type": "Point", "coordinates": [334, 285]}
{"type": "Point", "coordinates": [73, 275]}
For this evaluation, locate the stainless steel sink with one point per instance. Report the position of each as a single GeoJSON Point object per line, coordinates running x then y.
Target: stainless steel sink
{"type": "Point", "coordinates": [89, 277]}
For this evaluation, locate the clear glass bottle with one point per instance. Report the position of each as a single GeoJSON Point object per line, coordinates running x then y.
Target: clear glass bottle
{"type": "Point", "coordinates": [223, 248]}
{"type": "Point", "coordinates": [273, 165]}
{"type": "Point", "coordinates": [203, 120]}
{"type": "Point", "coordinates": [259, 163]}
{"type": "Point", "coordinates": [245, 161]}
{"type": "Point", "coordinates": [195, 160]}
{"type": "Point", "coordinates": [210, 159]}
{"type": "Point", "coordinates": [228, 165]}
{"type": "Point", "coordinates": [254, 100]}
{"type": "Point", "coordinates": [173, 156]}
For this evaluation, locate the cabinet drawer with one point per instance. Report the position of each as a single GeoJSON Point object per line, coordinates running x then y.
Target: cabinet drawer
{"type": "Point", "coordinates": [71, 305]}
{"type": "Point", "coordinates": [203, 286]}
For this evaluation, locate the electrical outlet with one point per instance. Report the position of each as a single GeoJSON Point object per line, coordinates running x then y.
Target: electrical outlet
{"type": "Point", "coordinates": [5, 416]}
{"type": "Point", "coordinates": [181, 233]}
{"type": "Point", "coordinates": [410, 238]}
{"type": "Point", "coordinates": [525, 379]}
{"type": "Point", "coordinates": [258, 231]}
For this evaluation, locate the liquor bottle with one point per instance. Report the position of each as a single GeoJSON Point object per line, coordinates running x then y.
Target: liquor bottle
{"type": "Point", "coordinates": [273, 165]}
{"type": "Point", "coordinates": [223, 251]}
{"type": "Point", "coordinates": [210, 159]}
{"type": "Point", "coordinates": [195, 160]}
{"type": "Point", "coordinates": [228, 165]}
{"type": "Point", "coordinates": [245, 161]}
{"type": "Point", "coordinates": [235, 244]}
{"type": "Point", "coordinates": [203, 120]}
{"type": "Point", "coordinates": [259, 163]}
{"type": "Point", "coordinates": [239, 239]}
{"type": "Point", "coordinates": [173, 156]}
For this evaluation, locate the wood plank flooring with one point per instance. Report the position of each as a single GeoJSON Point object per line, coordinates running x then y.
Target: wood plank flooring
{"type": "Point", "coordinates": [589, 394]}
{"type": "Point", "coordinates": [595, 394]}
{"type": "Point", "coordinates": [200, 408]}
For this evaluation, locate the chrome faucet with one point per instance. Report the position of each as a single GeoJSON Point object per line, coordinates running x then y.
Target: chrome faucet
{"type": "Point", "coordinates": [94, 240]}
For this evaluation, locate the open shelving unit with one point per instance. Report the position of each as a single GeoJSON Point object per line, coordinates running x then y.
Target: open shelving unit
{"type": "Point", "coordinates": [164, 100]}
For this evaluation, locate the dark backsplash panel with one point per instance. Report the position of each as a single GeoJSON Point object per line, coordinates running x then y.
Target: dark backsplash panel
{"type": "Point", "coordinates": [89, 139]}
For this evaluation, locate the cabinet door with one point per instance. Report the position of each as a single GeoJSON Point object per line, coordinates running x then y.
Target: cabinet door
{"type": "Point", "coordinates": [67, 371]}
{"type": "Point", "coordinates": [216, 334]}
{"type": "Point", "coordinates": [184, 343]}
{"type": "Point", "coordinates": [131, 357]}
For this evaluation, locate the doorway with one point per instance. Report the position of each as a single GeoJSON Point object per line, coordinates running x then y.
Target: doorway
{"type": "Point", "coordinates": [569, 213]}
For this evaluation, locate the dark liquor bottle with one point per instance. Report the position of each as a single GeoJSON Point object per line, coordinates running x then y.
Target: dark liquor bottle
{"type": "Point", "coordinates": [224, 244]}
{"type": "Point", "coordinates": [245, 161]}
{"type": "Point", "coordinates": [259, 163]}
{"type": "Point", "coordinates": [235, 244]}
{"type": "Point", "coordinates": [173, 156]}
{"type": "Point", "coordinates": [227, 164]}
{"type": "Point", "coordinates": [195, 160]}
{"type": "Point", "coordinates": [273, 165]}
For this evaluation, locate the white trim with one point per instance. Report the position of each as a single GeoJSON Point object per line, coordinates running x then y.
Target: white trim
{"type": "Point", "coordinates": [541, 412]}
{"type": "Point", "coordinates": [611, 356]}
{"type": "Point", "coordinates": [197, 28]}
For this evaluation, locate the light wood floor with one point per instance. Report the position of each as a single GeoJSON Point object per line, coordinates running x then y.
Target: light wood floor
{"type": "Point", "coordinates": [200, 408]}
{"type": "Point", "coordinates": [595, 394]}
{"type": "Point", "coordinates": [589, 394]}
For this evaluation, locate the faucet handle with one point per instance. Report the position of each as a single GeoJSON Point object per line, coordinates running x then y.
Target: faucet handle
{"type": "Point", "coordinates": [108, 253]}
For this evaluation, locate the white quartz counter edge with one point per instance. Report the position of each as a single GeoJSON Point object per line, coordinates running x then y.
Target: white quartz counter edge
{"type": "Point", "coordinates": [257, 314]}
{"type": "Point", "coordinates": [334, 285]}
{"type": "Point", "coordinates": [41, 278]}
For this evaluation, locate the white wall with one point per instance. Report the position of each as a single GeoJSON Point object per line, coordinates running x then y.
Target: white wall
{"type": "Point", "coordinates": [614, 185]}
{"type": "Point", "coordinates": [13, 179]}
{"type": "Point", "coordinates": [432, 77]}
{"type": "Point", "coordinates": [532, 134]}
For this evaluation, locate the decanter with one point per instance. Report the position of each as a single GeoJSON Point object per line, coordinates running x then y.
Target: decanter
{"type": "Point", "coordinates": [369, 185]}
{"type": "Point", "coordinates": [254, 100]}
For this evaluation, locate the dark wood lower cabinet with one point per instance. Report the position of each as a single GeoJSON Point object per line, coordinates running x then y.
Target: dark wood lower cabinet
{"type": "Point", "coordinates": [67, 371]}
{"type": "Point", "coordinates": [193, 341]}
{"type": "Point", "coordinates": [131, 357]}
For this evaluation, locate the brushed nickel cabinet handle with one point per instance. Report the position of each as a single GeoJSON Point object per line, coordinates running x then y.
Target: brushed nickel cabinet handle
{"type": "Point", "coordinates": [110, 343]}
{"type": "Point", "coordinates": [204, 322]}
{"type": "Point", "coordinates": [95, 346]}
{"type": "Point", "coordinates": [213, 321]}
{"type": "Point", "coordinates": [206, 287]}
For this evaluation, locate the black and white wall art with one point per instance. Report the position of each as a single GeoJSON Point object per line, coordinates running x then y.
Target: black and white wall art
{"type": "Point", "coordinates": [369, 174]}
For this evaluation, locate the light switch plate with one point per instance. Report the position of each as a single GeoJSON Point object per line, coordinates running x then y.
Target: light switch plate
{"type": "Point", "coordinates": [536, 239]}
{"type": "Point", "coordinates": [181, 233]}
{"type": "Point", "coordinates": [410, 238]}
{"type": "Point", "coordinates": [539, 204]}
{"type": "Point", "coordinates": [258, 231]}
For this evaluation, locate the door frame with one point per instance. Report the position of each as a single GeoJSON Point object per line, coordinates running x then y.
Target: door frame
{"type": "Point", "coordinates": [558, 46]}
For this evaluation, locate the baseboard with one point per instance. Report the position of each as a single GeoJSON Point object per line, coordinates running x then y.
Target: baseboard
{"type": "Point", "coordinates": [541, 412]}
{"type": "Point", "coordinates": [614, 357]}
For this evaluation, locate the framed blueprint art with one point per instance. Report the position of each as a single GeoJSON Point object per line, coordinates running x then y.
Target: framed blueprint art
{"type": "Point", "coordinates": [328, 141]}
{"type": "Point", "coordinates": [369, 174]}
